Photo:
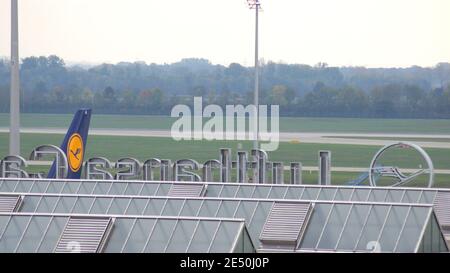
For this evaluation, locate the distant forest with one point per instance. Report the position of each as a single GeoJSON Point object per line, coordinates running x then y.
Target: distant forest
{"type": "Point", "coordinates": [48, 85]}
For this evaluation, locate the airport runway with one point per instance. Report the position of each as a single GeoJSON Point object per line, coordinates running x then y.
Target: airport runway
{"type": "Point", "coordinates": [324, 138]}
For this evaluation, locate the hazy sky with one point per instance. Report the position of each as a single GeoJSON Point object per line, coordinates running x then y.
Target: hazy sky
{"type": "Point", "coordinates": [374, 33]}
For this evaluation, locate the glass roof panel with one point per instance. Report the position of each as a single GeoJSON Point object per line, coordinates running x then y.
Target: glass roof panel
{"type": "Point", "coordinates": [225, 236]}
{"type": "Point", "coordinates": [33, 234]}
{"type": "Point", "coordinates": [191, 208]}
{"type": "Point", "coordinates": [179, 241]}
{"type": "Point", "coordinates": [372, 227]}
{"type": "Point", "coordinates": [353, 227]}
{"type": "Point", "coordinates": [334, 226]}
{"type": "Point", "coordinates": [227, 209]}
{"type": "Point", "coordinates": [137, 238]}
{"type": "Point", "coordinates": [413, 226]}
{"type": "Point", "coordinates": [203, 236]}
{"type": "Point", "coordinates": [392, 228]}
{"type": "Point", "coordinates": [161, 234]}
{"type": "Point", "coordinates": [11, 236]}
{"type": "Point", "coordinates": [315, 226]}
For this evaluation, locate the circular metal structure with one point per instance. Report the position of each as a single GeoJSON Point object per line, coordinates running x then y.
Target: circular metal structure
{"type": "Point", "coordinates": [375, 170]}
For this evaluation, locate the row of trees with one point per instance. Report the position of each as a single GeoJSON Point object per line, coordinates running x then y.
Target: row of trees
{"type": "Point", "coordinates": [48, 85]}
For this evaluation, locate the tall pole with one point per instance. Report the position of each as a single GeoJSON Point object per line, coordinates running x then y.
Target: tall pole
{"type": "Point", "coordinates": [255, 4]}
{"type": "Point", "coordinates": [14, 135]}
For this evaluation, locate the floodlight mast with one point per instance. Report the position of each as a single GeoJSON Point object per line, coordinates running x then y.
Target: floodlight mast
{"type": "Point", "coordinates": [256, 5]}
{"type": "Point", "coordinates": [14, 129]}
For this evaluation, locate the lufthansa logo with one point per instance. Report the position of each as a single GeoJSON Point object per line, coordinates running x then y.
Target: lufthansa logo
{"type": "Point", "coordinates": [75, 152]}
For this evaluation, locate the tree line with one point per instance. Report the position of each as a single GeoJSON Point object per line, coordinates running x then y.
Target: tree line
{"type": "Point", "coordinates": [48, 85]}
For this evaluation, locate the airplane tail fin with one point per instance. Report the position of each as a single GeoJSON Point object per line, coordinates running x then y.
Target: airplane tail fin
{"type": "Point", "coordinates": [74, 144]}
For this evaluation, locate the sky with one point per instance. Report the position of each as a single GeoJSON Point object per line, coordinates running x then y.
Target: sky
{"type": "Point", "coordinates": [372, 33]}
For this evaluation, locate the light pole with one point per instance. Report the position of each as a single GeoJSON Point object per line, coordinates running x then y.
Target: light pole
{"type": "Point", "coordinates": [14, 129]}
{"type": "Point", "coordinates": [256, 5]}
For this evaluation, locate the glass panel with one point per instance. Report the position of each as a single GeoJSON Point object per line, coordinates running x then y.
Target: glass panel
{"type": "Point", "coordinates": [86, 187]}
{"type": "Point", "coordinates": [209, 208]}
{"type": "Point", "coordinates": [392, 228]}
{"type": "Point", "coordinates": [13, 233]}
{"type": "Point", "coordinates": [277, 192]}
{"type": "Point", "coordinates": [102, 187]}
{"type": "Point", "coordinates": [373, 228]}
{"type": "Point", "coordinates": [55, 187]}
{"type": "Point", "coordinates": [53, 233]}
{"type": "Point", "coordinates": [225, 237]}
{"type": "Point", "coordinates": [139, 235]}
{"type": "Point", "coordinates": [229, 191]}
{"type": "Point", "coordinates": [360, 195]}
{"type": "Point", "coordinates": [118, 206]}
{"type": "Point", "coordinates": [47, 204]}
{"type": "Point", "coordinates": [40, 186]}
{"type": "Point", "coordinates": [411, 196]}
{"type": "Point", "coordinates": [154, 207]}
{"type": "Point", "coordinates": [427, 197]}
{"type": "Point", "coordinates": [149, 189]}
{"type": "Point", "coordinates": [8, 186]}
{"type": "Point", "coordinates": [258, 220]}
{"type": "Point", "coordinates": [294, 193]}
{"type": "Point", "coordinates": [161, 235]}
{"type": "Point", "coordinates": [213, 190]}
{"type": "Point", "coordinates": [246, 210]}
{"type": "Point", "coordinates": [23, 186]}
{"type": "Point", "coordinates": [172, 207]}
{"type": "Point", "coordinates": [191, 208]}
{"type": "Point", "coordinates": [245, 191]}
{"type": "Point", "coordinates": [163, 189]}
{"type": "Point", "coordinates": [315, 226]}
{"type": "Point", "coordinates": [327, 194]}
{"type": "Point", "coordinates": [181, 236]}
{"type": "Point", "coordinates": [118, 188]}
{"type": "Point", "coordinates": [83, 204]}
{"type": "Point", "coordinates": [137, 206]}
{"type": "Point", "coordinates": [3, 221]}
{"type": "Point", "coordinates": [343, 194]}
{"type": "Point", "coordinates": [310, 194]}
{"type": "Point", "coordinates": [378, 195]}
{"type": "Point", "coordinates": [413, 227]}
{"type": "Point", "coordinates": [353, 227]}
{"type": "Point", "coordinates": [227, 209]}
{"type": "Point", "coordinates": [65, 205]}
{"type": "Point", "coordinates": [34, 234]}
{"type": "Point", "coordinates": [261, 192]}
{"type": "Point", "coordinates": [395, 196]}
{"type": "Point", "coordinates": [120, 232]}
{"type": "Point", "coordinates": [133, 188]}
{"type": "Point", "coordinates": [203, 236]}
{"type": "Point", "coordinates": [101, 205]}
{"type": "Point", "coordinates": [71, 187]}
{"type": "Point", "coordinates": [334, 227]}
{"type": "Point", "coordinates": [30, 203]}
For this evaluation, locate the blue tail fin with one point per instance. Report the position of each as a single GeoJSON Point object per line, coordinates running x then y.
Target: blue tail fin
{"type": "Point", "coordinates": [74, 144]}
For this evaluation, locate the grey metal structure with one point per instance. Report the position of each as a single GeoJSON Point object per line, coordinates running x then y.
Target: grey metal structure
{"type": "Point", "coordinates": [14, 129]}
{"type": "Point", "coordinates": [179, 190]}
{"type": "Point", "coordinates": [41, 232]}
{"type": "Point", "coordinates": [402, 179]}
{"type": "Point", "coordinates": [10, 203]}
{"type": "Point", "coordinates": [84, 234]}
{"type": "Point", "coordinates": [332, 225]}
{"type": "Point", "coordinates": [324, 168]}
{"type": "Point", "coordinates": [256, 5]}
{"type": "Point", "coordinates": [284, 225]}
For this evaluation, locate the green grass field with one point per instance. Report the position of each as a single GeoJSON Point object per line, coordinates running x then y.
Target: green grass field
{"type": "Point", "coordinates": [114, 147]}
{"type": "Point", "coordinates": [338, 125]}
